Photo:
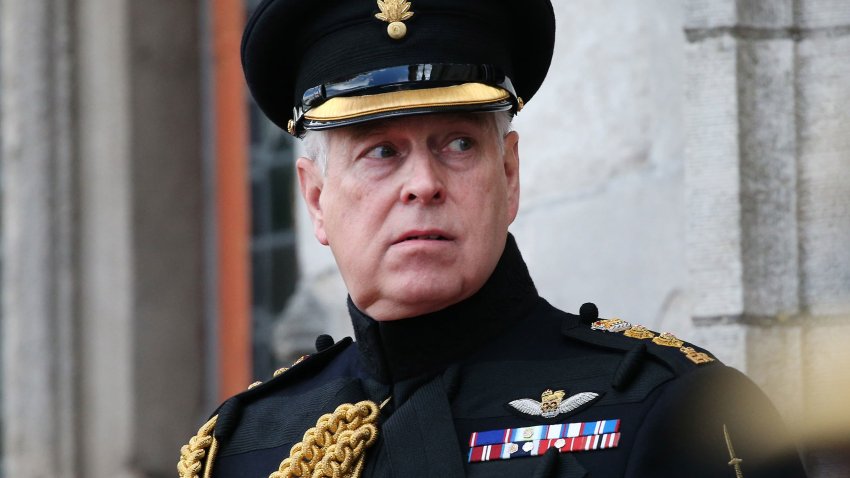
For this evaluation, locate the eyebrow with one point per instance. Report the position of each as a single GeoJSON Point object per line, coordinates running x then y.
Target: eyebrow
{"type": "Point", "coordinates": [359, 131]}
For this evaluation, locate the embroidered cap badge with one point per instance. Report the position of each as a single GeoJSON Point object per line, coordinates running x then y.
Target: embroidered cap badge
{"type": "Point", "coordinates": [552, 404]}
{"type": "Point", "coordinates": [395, 12]}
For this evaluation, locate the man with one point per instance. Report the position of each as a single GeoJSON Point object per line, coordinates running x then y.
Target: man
{"type": "Point", "coordinates": [460, 368]}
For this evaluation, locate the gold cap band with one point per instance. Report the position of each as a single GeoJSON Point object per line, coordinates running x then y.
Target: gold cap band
{"type": "Point", "coordinates": [349, 107]}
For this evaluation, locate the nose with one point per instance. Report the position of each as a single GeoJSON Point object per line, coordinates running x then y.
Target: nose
{"type": "Point", "coordinates": [423, 182]}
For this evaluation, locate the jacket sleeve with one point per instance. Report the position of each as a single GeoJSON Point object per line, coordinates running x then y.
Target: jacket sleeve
{"type": "Point", "coordinates": [685, 432]}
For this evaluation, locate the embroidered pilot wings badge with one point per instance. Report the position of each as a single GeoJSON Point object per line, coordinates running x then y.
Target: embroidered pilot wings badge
{"type": "Point", "coordinates": [552, 403]}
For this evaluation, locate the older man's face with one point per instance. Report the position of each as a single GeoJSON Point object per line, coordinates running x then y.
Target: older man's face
{"type": "Point", "coordinates": [415, 209]}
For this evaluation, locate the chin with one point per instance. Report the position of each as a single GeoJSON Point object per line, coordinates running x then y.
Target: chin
{"type": "Point", "coordinates": [437, 293]}
{"type": "Point", "coordinates": [410, 293]}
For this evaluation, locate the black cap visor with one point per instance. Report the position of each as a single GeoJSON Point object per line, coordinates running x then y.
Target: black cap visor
{"type": "Point", "coordinates": [404, 90]}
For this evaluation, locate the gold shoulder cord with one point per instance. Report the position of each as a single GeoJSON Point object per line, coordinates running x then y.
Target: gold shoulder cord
{"type": "Point", "coordinates": [192, 455]}
{"type": "Point", "coordinates": [334, 448]}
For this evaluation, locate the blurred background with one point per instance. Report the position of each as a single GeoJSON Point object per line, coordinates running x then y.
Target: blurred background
{"type": "Point", "coordinates": [686, 166]}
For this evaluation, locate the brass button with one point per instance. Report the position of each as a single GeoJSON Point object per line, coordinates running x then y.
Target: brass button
{"type": "Point", "coordinates": [397, 30]}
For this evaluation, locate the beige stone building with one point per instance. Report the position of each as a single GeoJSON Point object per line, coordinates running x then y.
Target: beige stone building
{"type": "Point", "coordinates": [685, 166]}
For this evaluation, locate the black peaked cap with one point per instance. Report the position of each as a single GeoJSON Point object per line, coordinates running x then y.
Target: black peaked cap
{"type": "Point", "coordinates": [295, 46]}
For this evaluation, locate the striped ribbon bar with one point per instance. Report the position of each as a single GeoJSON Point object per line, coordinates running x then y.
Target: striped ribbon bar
{"type": "Point", "coordinates": [506, 451]}
{"type": "Point", "coordinates": [544, 432]}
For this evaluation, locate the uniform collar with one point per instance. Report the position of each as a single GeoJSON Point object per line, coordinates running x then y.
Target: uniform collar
{"type": "Point", "coordinates": [402, 349]}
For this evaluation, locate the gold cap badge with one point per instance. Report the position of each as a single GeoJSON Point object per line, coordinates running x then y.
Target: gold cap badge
{"type": "Point", "coordinates": [395, 12]}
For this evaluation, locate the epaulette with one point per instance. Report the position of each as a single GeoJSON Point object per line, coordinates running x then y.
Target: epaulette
{"type": "Point", "coordinates": [637, 341]}
{"type": "Point", "coordinates": [198, 455]}
{"type": "Point", "coordinates": [304, 367]}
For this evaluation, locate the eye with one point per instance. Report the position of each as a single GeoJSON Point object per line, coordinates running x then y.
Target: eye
{"type": "Point", "coordinates": [381, 152]}
{"type": "Point", "coordinates": [460, 145]}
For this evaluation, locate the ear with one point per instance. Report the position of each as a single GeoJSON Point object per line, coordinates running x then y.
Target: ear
{"type": "Point", "coordinates": [511, 161]}
{"type": "Point", "coordinates": [311, 181]}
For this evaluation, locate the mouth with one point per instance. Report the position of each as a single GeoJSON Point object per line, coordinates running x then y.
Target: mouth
{"type": "Point", "coordinates": [423, 236]}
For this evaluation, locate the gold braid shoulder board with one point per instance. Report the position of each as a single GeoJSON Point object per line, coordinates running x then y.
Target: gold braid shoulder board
{"type": "Point", "coordinates": [198, 455]}
{"type": "Point", "coordinates": [674, 358]}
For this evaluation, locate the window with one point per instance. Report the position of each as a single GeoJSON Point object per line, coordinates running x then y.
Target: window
{"type": "Point", "coordinates": [273, 260]}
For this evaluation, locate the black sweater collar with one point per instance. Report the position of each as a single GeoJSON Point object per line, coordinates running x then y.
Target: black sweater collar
{"type": "Point", "coordinates": [400, 349]}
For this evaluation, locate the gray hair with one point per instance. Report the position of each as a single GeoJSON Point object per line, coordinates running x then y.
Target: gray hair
{"type": "Point", "coordinates": [316, 143]}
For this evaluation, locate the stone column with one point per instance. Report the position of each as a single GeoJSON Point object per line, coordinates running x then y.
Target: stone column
{"type": "Point", "coordinates": [102, 236]}
{"type": "Point", "coordinates": [141, 223]}
{"type": "Point", "coordinates": [768, 186]}
{"type": "Point", "coordinates": [39, 238]}
{"type": "Point", "coordinates": [823, 159]}
{"type": "Point", "coordinates": [741, 168]}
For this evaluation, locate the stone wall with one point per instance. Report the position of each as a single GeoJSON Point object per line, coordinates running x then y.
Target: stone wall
{"type": "Point", "coordinates": [601, 216]}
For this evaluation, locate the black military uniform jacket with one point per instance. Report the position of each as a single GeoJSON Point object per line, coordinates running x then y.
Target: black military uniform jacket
{"type": "Point", "coordinates": [627, 407]}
